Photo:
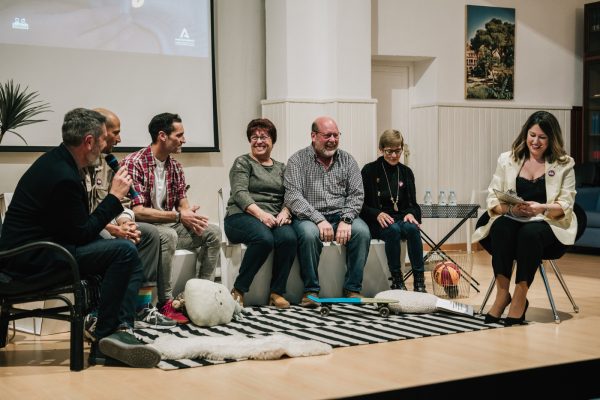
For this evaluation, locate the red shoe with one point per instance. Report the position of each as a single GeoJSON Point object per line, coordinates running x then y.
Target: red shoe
{"type": "Point", "coordinates": [170, 312]}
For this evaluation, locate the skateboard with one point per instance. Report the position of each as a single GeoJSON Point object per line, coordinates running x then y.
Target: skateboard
{"type": "Point", "coordinates": [327, 303]}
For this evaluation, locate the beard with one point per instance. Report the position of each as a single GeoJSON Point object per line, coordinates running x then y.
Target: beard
{"type": "Point", "coordinates": [93, 155]}
{"type": "Point", "coordinates": [325, 152]}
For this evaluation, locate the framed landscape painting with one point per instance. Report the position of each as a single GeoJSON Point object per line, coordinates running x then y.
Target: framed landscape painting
{"type": "Point", "coordinates": [490, 53]}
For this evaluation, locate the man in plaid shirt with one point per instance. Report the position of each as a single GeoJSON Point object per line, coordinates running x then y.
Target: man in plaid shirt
{"type": "Point", "coordinates": [159, 180]}
{"type": "Point", "coordinates": [324, 191]}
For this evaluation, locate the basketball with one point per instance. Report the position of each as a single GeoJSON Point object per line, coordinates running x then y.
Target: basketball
{"type": "Point", "coordinates": [446, 273]}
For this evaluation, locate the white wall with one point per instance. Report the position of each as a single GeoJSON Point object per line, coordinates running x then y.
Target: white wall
{"type": "Point", "coordinates": [241, 85]}
{"type": "Point", "coordinates": [319, 63]}
{"type": "Point", "coordinates": [548, 49]}
{"type": "Point", "coordinates": [318, 49]}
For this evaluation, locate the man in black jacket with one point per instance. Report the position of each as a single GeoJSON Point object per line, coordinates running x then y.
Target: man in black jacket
{"type": "Point", "coordinates": [50, 203]}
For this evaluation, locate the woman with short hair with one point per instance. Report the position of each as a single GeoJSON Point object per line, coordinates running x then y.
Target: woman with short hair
{"type": "Point", "coordinates": [256, 215]}
{"type": "Point", "coordinates": [391, 210]}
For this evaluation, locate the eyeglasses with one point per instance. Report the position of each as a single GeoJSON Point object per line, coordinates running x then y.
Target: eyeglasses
{"type": "Point", "coordinates": [327, 136]}
{"type": "Point", "coordinates": [257, 138]}
{"type": "Point", "coordinates": [389, 152]}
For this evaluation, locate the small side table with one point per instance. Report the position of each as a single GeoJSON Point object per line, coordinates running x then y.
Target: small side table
{"type": "Point", "coordinates": [461, 212]}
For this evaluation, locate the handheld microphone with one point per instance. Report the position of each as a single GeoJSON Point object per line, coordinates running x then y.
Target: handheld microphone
{"type": "Point", "coordinates": [112, 162]}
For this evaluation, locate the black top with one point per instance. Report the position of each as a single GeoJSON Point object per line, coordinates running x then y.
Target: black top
{"type": "Point", "coordinates": [50, 203]}
{"type": "Point", "coordinates": [534, 190]}
{"type": "Point", "coordinates": [377, 193]}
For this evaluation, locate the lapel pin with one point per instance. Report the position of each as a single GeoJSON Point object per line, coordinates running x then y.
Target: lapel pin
{"type": "Point", "coordinates": [551, 172]}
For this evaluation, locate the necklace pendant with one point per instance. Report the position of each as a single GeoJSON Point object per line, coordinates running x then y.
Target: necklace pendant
{"type": "Point", "coordinates": [395, 207]}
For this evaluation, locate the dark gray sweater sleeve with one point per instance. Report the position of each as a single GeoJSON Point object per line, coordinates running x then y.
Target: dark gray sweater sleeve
{"type": "Point", "coordinates": [239, 178]}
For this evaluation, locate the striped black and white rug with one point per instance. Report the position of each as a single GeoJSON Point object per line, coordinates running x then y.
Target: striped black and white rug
{"type": "Point", "coordinates": [346, 325]}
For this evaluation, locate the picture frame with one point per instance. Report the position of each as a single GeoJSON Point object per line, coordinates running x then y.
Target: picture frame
{"type": "Point", "coordinates": [489, 53]}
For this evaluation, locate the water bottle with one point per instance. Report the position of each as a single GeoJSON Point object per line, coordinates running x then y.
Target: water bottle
{"type": "Point", "coordinates": [427, 199]}
{"type": "Point", "coordinates": [452, 198]}
{"type": "Point", "coordinates": [442, 198]}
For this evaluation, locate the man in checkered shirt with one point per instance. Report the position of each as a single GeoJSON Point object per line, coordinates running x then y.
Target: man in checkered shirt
{"type": "Point", "coordinates": [159, 180]}
{"type": "Point", "coordinates": [324, 191]}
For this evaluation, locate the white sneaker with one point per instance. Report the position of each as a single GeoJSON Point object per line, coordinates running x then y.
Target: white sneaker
{"type": "Point", "coordinates": [149, 317]}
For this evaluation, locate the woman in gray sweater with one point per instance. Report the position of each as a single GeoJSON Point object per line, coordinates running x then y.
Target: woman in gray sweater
{"type": "Point", "coordinates": [256, 216]}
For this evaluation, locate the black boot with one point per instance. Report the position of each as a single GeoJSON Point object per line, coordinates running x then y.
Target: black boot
{"type": "Point", "coordinates": [419, 282]}
{"type": "Point", "coordinates": [397, 281]}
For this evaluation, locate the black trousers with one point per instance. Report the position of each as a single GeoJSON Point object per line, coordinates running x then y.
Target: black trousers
{"type": "Point", "coordinates": [526, 243]}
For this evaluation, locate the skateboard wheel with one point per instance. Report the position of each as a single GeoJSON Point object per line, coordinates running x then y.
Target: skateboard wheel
{"type": "Point", "coordinates": [384, 311]}
{"type": "Point", "coordinates": [325, 311]}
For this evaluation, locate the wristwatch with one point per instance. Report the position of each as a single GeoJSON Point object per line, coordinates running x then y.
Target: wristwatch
{"type": "Point", "coordinates": [346, 220]}
{"type": "Point", "coordinates": [177, 217]}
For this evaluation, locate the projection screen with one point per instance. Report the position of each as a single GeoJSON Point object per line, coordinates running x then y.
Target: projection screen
{"type": "Point", "coordinates": [137, 58]}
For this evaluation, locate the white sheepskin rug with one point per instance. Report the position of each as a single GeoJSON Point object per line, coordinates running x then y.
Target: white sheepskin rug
{"type": "Point", "coordinates": [238, 347]}
{"type": "Point", "coordinates": [409, 302]}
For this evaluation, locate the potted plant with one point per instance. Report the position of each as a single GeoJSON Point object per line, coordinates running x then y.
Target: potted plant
{"type": "Point", "coordinates": [18, 107]}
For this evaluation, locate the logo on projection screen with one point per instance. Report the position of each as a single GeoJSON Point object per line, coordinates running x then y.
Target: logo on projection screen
{"type": "Point", "coordinates": [20, 23]}
{"type": "Point", "coordinates": [184, 39]}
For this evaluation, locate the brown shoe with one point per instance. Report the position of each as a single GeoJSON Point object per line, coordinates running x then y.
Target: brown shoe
{"type": "Point", "coordinates": [278, 301]}
{"type": "Point", "coordinates": [350, 294]}
{"type": "Point", "coordinates": [238, 296]}
{"type": "Point", "coordinates": [308, 303]}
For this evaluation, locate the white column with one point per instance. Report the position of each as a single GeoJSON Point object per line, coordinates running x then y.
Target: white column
{"type": "Point", "coordinates": [319, 63]}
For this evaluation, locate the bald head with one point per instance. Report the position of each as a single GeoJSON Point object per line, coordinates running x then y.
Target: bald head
{"type": "Point", "coordinates": [113, 128]}
{"type": "Point", "coordinates": [319, 123]}
{"type": "Point", "coordinates": [111, 117]}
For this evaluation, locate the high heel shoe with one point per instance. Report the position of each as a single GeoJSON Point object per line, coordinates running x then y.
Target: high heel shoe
{"type": "Point", "coordinates": [509, 321]}
{"type": "Point", "coordinates": [491, 319]}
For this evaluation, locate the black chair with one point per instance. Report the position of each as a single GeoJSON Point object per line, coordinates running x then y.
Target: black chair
{"type": "Point", "coordinates": [55, 284]}
{"type": "Point", "coordinates": [550, 258]}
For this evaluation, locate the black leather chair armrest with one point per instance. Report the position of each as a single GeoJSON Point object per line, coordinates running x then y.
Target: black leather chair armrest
{"type": "Point", "coordinates": [68, 257]}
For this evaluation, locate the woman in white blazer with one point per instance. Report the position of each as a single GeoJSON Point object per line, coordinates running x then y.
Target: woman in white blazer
{"type": "Point", "coordinates": [541, 173]}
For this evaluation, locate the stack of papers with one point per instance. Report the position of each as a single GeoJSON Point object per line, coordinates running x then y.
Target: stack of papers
{"type": "Point", "coordinates": [509, 197]}
{"type": "Point", "coordinates": [454, 307]}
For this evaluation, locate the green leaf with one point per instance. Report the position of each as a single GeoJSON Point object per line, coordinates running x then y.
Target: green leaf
{"type": "Point", "coordinates": [22, 138]}
{"type": "Point", "coordinates": [18, 107]}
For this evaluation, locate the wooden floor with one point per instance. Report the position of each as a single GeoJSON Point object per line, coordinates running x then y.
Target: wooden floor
{"type": "Point", "coordinates": [37, 367]}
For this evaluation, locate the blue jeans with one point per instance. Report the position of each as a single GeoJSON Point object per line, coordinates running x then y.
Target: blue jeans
{"type": "Point", "coordinates": [118, 262]}
{"type": "Point", "coordinates": [310, 246]}
{"type": "Point", "coordinates": [260, 240]}
{"type": "Point", "coordinates": [392, 235]}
